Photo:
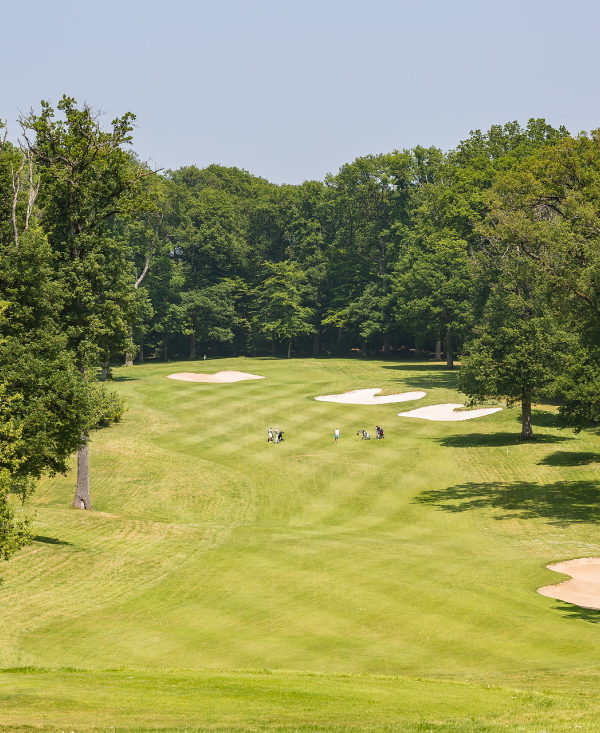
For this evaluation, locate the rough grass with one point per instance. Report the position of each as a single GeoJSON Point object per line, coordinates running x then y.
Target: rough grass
{"type": "Point", "coordinates": [209, 550]}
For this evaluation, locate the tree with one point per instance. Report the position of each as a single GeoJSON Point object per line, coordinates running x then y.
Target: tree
{"type": "Point", "coordinates": [279, 311]}
{"type": "Point", "coordinates": [516, 354]}
{"type": "Point", "coordinates": [546, 211]}
{"type": "Point", "coordinates": [434, 289]}
{"type": "Point", "coordinates": [86, 180]}
{"type": "Point", "coordinates": [209, 315]}
{"type": "Point", "coordinates": [44, 400]}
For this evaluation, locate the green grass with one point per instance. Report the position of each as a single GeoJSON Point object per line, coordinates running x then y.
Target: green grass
{"type": "Point", "coordinates": [398, 576]}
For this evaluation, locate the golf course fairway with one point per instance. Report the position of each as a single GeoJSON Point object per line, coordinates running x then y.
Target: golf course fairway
{"type": "Point", "coordinates": [224, 583]}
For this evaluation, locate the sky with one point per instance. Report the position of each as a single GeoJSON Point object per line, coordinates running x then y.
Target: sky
{"type": "Point", "coordinates": [292, 89]}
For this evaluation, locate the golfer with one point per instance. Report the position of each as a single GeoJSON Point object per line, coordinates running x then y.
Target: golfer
{"type": "Point", "coordinates": [336, 435]}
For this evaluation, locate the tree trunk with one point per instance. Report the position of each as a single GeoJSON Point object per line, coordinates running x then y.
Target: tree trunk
{"type": "Point", "coordinates": [128, 359]}
{"type": "Point", "coordinates": [316, 347]}
{"type": "Point", "coordinates": [105, 369]}
{"type": "Point", "coordinates": [289, 353]}
{"type": "Point", "coordinates": [141, 353]}
{"type": "Point", "coordinates": [82, 498]}
{"type": "Point", "coordinates": [449, 356]}
{"type": "Point", "coordinates": [526, 427]}
{"type": "Point", "coordinates": [338, 340]}
{"type": "Point", "coordinates": [438, 349]}
{"type": "Point", "coordinates": [165, 349]}
{"type": "Point", "coordinates": [418, 346]}
{"type": "Point", "coordinates": [387, 345]}
{"type": "Point", "coordinates": [193, 346]}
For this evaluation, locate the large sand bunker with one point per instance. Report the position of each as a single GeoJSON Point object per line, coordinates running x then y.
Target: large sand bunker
{"type": "Point", "coordinates": [584, 587]}
{"type": "Point", "coordinates": [368, 397]}
{"type": "Point", "coordinates": [219, 378]}
{"type": "Point", "coordinates": [448, 412]}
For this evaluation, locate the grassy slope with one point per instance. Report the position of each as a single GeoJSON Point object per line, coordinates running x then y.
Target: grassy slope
{"type": "Point", "coordinates": [212, 550]}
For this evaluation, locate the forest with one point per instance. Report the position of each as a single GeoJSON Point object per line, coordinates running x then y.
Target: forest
{"type": "Point", "coordinates": [487, 254]}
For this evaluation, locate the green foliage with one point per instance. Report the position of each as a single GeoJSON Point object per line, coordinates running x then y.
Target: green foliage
{"type": "Point", "coordinates": [106, 407]}
{"type": "Point", "coordinates": [516, 354]}
{"type": "Point", "coordinates": [86, 180]}
{"type": "Point", "coordinates": [434, 285]}
{"type": "Point", "coordinates": [209, 314]}
{"type": "Point", "coordinates": [14, 529]}
{"type": "Point", "coordinates": [578, 389]}
{"type": "Point", "coordinates": [280, 314]}
{"type": "Point", "coordinates": [545, 211]}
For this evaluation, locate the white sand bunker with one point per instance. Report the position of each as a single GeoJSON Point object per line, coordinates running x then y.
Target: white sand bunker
{"type": "Point", "coordinates": [368, 397]}
{"type": "Point", "coordinates": [219, 377]}
{"type": "Point", "coordinates": [584, 587]}
{"type": "Point", "coordinates": [448, 412]}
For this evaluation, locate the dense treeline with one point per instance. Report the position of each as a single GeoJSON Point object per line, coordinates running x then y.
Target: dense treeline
{"type": "Point", "coordinates": [489, 252]}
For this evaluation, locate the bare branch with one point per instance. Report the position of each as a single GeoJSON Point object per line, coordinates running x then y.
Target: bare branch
{"type": "Point", "coordinates": [16, 187]}
{"type": "Point", "coordinates": [143, 273]}
{"type": "Point", "coordinates": [33, 190]}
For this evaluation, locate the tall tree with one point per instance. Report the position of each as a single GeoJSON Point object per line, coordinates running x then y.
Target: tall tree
{"type": "Point", "coordinates": [209, 315]}
{"type": "Point", "coordinates": [546, 210]}
{"type": "Point", "coordinates": [516, 354]}
{"type": "Point", "coordinates": [280, 313]}
{"type": "Point", "coordinates": [87, 178]}
{"type": "Point", "coordinates": [434, 289]}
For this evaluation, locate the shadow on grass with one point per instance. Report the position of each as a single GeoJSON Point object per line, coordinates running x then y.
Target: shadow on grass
{"type": "Point", "coordinates": [567, 458]}
{"type": "Point", "coordinates": [560, 503]}
{"type": "Point", "coordinates": [429, 376]}
{"type": "Point", "coordinates": [493, 440]}
{"type": "Point", "coordinates": [542, 419]}
{"type": "Point", "coordinates": [49, 540]}
{"type": "Point", "coordinates": [568, 610]}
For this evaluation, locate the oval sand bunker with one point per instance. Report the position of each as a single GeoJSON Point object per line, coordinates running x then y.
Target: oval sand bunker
{"type": "Point", "coordinates": [584, 587]}
{"type": "Point", "coordinates": [368, 397]}
{"type": "Point", "coordinates": [219, 378]}
{"type": "Point", "coordinates": [448, 412]}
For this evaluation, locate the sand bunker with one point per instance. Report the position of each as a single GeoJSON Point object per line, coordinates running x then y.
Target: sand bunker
{"type": "Point", "coordinates": [368, 397]}
{"type": "Point", "coordinates": [219, 377]}
{"type": "Point", "coordinates": [584, 587]}
{"type": "Point", "coordinates": [448, 412]}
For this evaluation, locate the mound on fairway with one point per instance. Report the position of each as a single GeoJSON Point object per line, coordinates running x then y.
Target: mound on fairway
{"type": "Point", "coordinates": [225, 377]}
{"type": "Point", "coordinates": [369, 397]}
{"type": "Point", "coordinates": [584, 587]}
{"type": "Point", "coordinates": [448, 412]}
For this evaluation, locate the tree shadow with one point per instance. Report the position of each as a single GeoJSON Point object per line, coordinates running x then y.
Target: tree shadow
{"type": "Point", "coordinates": [435, 376]}
{"type": "Point", "coordinates": [50, 540]}
{"type": "Point", "coordinates": [542, 419]}
{"type": "Point", "coordinates": [560, 503]}
{"type": "Point", "coordinates": [568, 458]}
{"type": "Point", "coordinates": [493, 440]}
{"type": "Point", "coordinates": [569, 610]}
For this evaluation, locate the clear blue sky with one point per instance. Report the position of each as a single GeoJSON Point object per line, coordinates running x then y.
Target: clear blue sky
{"type": "Point", "coordinates": [292, 89]}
